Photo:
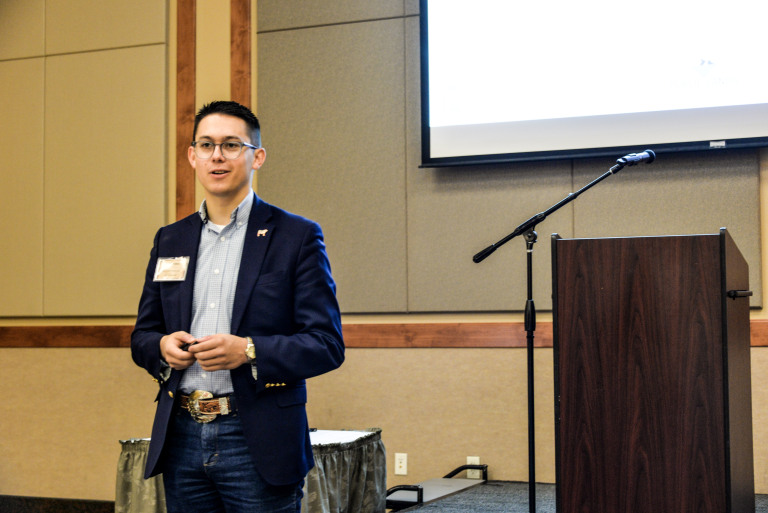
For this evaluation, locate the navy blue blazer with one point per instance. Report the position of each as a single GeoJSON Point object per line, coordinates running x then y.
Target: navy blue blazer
{"type": "Point", "coordinates": [285, 300]}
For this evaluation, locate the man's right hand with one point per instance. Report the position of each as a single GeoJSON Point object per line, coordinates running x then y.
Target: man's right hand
{"type": "Point", "coordinates": [171, 349]}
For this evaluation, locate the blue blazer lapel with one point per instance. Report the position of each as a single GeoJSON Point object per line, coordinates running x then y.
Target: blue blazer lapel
{"type": "Point", "coordinates": [189, 247]}
{"type": "Point", "coordinates": [257, 238]}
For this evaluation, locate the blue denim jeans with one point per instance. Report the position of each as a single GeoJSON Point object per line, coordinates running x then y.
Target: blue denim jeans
{"type": "Point", "coordinates": [208, 469]}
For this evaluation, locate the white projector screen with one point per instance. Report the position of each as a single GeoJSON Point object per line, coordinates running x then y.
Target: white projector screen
{"type": "Point", "coordinates": [512, 81]}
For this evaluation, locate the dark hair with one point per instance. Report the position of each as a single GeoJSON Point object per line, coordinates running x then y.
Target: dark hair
{"type": "Point", "coordinates": [231, 109]}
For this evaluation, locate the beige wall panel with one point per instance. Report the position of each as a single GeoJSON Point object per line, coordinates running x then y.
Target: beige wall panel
{"type": "Point", "coordinates": [212, 60]}
{"type": "Point", "coordinates": [412, 93]}
{"type": "Point", "coordinates": [171, 101]}
{"type": "Point", "coordinates": [440, 406]}
{"type": "Point", "coordinates": [22, 28]}
{"type": "Point", "coordinates": [454, 213]}
{"type": "Point", "coordinates": [82, 25]}
{"type": "Point", "coordinates": [286, 14]}
{"type": "Point", "coordinates": [21, 172]}
{"type": "Point", "coordinates": [677, 194]}
{"type": "Point", "coordinates": [75, 406]}
{"type": "Point", "coordinates": [213, 51]}
{"type": "Point", "coordinates": [105, 177]}
{"type": "Point", "coordinates": [760, 417]}
{"type": "Point", "coordinates": [411, 7]}
{"type": "Point", "coordinates": [331, 105]}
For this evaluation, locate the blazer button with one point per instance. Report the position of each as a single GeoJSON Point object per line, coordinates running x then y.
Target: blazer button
{"type": "Point", "coordinates": [170, 394]}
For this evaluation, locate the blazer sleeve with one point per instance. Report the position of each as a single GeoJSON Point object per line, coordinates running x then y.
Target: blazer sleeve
{"type": "Point", "coordinates": [150, 325]}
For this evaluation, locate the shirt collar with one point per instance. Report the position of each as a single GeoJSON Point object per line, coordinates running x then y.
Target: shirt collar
{"type": "Point", "coordinates": [242, 212]}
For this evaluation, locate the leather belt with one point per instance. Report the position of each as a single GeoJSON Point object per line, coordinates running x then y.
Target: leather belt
{"type": "Point", "coordinates": [203, 407]}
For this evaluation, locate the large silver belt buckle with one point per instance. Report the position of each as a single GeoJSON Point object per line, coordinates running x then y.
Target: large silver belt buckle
{"type": "Point", "coordinates": [194, 406]}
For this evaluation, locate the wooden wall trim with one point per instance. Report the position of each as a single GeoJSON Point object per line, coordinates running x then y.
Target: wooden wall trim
{"type": "Point", "coordinates": [65, 336]}
{"type": "Point", "coordinates": [417, 335]}
{"type": "Point", "coordinates": [444, 335]}
{"type": "Point", "coordinates": [240, 51]}
{"type": "Point", "coordinates": [185, 104]}
{"type": "Point", "coordinates": [240, 85]}
{"type": "Point", "coordinates": [759, 333]}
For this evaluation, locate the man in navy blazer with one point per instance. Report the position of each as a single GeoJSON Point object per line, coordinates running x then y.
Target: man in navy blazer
{"type": "Point", "coordinates": [238, 310]}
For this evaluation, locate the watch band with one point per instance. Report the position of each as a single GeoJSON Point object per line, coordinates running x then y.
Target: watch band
{"type": "Point", "coordinates": [250, 349]}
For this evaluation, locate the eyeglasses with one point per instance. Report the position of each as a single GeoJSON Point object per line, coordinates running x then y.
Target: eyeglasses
{"type": "Point", "coordinates": [229, 149]}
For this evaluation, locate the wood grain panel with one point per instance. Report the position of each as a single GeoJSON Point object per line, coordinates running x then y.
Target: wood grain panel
{"type": "Point", "coordinates": [65, 336]}
{"type": "Point", "coordinates": [740, 460]}
{"type": "Point", "coordinates": [642, 422]}
{"type": "Point", "coordinates": [445, 335]}
{"type": "Point", "coordinates": [185, 105]}
{"type": "Point", "coordinates": [240, 51]}
{"type": "Point", "coordinates": [759, 332]}
{"type": "Point", "coordinates": [424, 335]}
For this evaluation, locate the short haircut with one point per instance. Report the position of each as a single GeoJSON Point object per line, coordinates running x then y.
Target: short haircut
{"type": "Point", "coordinates": [231, 109]}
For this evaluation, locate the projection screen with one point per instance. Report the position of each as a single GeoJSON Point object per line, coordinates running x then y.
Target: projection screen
{"type": "Point", "coordinates": [514, 81]}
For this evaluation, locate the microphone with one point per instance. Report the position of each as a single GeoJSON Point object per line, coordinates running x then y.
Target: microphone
{"type": "Point", "coordinates": [647, 156]}
{"type": "Point", "coordinates": [484, 254]}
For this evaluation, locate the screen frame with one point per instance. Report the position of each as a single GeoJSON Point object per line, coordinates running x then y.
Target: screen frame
{"type": "Point", "coordinates": [428, 161]}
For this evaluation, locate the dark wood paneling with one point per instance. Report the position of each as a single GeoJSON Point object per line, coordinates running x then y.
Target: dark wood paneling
{"type": "Point", "coordinates": [738, 380]}
{"type": "Point", "coordinates": [240, 85]}
{"type": "Point", "coordinates": [436, 335]}
{"type": "Point", "coordinates": [240, 51]}
{"type": "Point", "coordinates": [642, 423]}
{"type": "Point", "coordinates": [509, 334]}
{"type": "Point", "coordinates": [185, 105]}
{"type": "Point", "coordinates": [759, 333]}
{"type": "Point", "coordinates": [65, 336]}
{"type": "Point", "coordinates": [16, 504]}
{"type": "Point", "coordinates": [355, 335]}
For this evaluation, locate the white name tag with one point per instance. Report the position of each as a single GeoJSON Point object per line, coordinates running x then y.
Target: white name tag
{"type": "Point", "coordinates": [171, 269]}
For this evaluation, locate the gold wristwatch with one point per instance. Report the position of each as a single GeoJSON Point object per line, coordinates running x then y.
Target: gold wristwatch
{"type": "Point", "coordinates": [250, 349]}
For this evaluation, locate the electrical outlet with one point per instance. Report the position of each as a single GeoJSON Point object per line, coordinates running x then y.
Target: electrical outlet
{"type": "Point", "coordinates": [401, 464]}
{"type": "Point", "coordinates": [474, 474]}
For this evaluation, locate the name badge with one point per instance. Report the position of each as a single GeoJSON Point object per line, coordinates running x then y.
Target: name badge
{"type": "Point", "coordinates": [171, 269]}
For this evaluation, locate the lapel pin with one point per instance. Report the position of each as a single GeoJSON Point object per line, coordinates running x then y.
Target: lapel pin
{"type": "Point", "coordinates": [261, 233]}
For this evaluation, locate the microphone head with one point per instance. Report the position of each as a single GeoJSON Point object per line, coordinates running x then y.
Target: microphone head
{"type": "Point", "coordinates": [632, 159]}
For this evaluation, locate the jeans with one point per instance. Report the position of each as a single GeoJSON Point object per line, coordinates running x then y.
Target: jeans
{"type": "Point", "coordinates": [208, 469]}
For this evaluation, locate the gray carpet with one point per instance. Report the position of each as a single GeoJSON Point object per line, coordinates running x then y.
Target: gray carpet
{"type": "Point", "coordinates": [508, 497]}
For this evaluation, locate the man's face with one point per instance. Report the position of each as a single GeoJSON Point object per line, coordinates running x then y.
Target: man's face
{"type": "Point", "coordinates": [227, 179]}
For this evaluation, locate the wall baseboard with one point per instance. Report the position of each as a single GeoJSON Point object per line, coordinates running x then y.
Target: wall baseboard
{"type": "Point", "coordinates": [16, 504]}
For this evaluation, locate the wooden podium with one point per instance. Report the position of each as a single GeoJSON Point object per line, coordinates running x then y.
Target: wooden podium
{"type": "Point", "coordinates": [652, 375]}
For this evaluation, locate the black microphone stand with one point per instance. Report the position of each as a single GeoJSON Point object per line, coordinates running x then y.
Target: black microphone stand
{"type": "Point", "coordinates": [527, 230]}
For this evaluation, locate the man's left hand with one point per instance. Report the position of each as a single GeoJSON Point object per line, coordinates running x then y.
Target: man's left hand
{"type": "Point", "coordinates": [219, 352]}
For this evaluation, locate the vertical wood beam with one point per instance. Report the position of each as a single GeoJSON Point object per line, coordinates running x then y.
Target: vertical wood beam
{"type": "Point", "coordinates": [240, 85]}
{"type": "Point", "coordinates": [240, 51]}
{"type": "Point", "coordinates": [185, 104]}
